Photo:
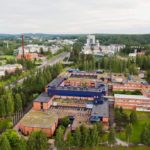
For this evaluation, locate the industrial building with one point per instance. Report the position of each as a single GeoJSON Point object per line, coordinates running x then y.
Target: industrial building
{"type": "Point", "coordinates": [77, 95]}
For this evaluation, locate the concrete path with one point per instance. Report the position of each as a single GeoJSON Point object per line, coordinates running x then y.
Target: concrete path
{"type": "Point", "coordinates": [122, 143]}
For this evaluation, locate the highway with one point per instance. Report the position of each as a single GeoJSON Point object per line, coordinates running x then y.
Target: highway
{"type": "Point", "coordinates": [51, 62]}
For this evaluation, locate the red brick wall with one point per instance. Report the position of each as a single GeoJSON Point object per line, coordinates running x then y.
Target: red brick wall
{"type": "Point", "coordinates": [130, 103]}
{"type": "Point", "coordinates": [47, 105]}
{"type": "Point", "coordinates": [48, 131]}
{"type": "Point", "coordinates": [36, 105]}
{"type": "Point", "coordinates": [79, 83]}
{"type": "Point", "coordinates": [128, 86]}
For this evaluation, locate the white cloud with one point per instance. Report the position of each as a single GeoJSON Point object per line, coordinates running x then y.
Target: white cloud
{"type": "Point", "coordinates": [75, 16]}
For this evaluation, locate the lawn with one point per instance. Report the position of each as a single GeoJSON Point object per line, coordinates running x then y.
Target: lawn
{"type": "Point", "coordinates": [143, 117]}
{"type": "Point", "coordinates": [118, 148]}
{"type": "Point", "coordinates": [7, 56]}
{"type": "Point", "coordinates": [4, 58]}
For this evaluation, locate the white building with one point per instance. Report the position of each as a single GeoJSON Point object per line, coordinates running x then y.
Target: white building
{"type": "Point", "coordinates": [93, 46]}
{"type": "Point", "coordinates": [90, 40]}
{"type": "Point", "coordinates": [133, 55]}
{"type": "Point", "coordinates": [32, 48]}
{"type": "Point", "coordinates": [9, 68]}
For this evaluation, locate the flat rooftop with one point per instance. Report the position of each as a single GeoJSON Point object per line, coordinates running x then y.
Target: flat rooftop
{"type": "Point", "coordinates": [88, 89]}
{"type": "Point", "coordinates": [101, 110]}
{"type": "Point", "coordinates": [56, 82]}
{"type": "Point", "coordinates": [131, 96]}
{"type": "Point", "coordinates": [43, 97]}
{"type": "Point", "coordinates": [81, 79]}
{"type": "Point", "coordinates": [39, 119]}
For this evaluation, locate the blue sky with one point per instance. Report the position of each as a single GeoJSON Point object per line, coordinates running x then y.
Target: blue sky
{"type": "Point", "coordinates": [75, 16]}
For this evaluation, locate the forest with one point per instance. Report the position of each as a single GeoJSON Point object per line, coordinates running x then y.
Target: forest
{"type": "Point", "coordinates": [18, 98]}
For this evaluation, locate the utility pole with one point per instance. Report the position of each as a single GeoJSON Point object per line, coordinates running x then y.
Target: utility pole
{"type": "Point", "coordinates": [23, 46]}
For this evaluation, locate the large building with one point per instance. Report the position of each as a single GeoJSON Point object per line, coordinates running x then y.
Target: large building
{"type": "Point", "coordinates": [136, 102]}
{"type": "Point", "coordinates": [93, 46]}
{"type": "Point", "coordinates": [32, 48]}
{"type": "Point", "coordinates": [76, 95]}
{"type": "Point", "coordinates": [39, 120]}
{"type": "Point", "coordinates": [28, 56]}
{"type": "Point", "coordinates": [9, 68]}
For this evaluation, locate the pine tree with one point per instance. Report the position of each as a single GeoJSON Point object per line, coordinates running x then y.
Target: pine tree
{"type": "Point", "coordinates": [59, 138]}
{"type": "Point", "coordinates": [112, 137]}
{"type": "Point", "coordinates": [77, 137]}
{"type": "Point", "coordinates": [9, 104]}
{"type": "Point", "coordinates": [15, 141]}
{"type": "Point", "coordinates": [84, 136]}
{"type": "Point", "coordinates": [4, 143]}
{"type": "Point", "coordinates": [128, 132]}
{"type": "Point", "coordinates": [145, 134]}
{"type": "Point", "coordinates": [2, 107]}
{"type": "Point", "coordinates": [94, 138]}
{"type": "Point", "coordinates": [18, 102]}
{"type": "Point", "coordinates": [69, 142]}
{"type": "Point", "coordinates": [133, 117]}
{"type": "Point", "coordinates": [37, 141]}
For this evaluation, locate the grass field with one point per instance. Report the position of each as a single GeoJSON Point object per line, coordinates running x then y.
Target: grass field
{"type": "Point", "coordinates": [119, 148]}
{"type": "Point", "coordinates": [4, 58]}
{"type": "Point", "coordinates": [7, 56]}
{"type": "Point", "coordinates": [143, 117]}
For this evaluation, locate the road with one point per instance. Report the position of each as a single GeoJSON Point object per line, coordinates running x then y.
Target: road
{"type": "Point", "coordinates": [51, 62]}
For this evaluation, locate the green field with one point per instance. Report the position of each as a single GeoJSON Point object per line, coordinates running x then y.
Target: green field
{"type": "Point", "coordinates": [143, 117]}
{"type": "Point", "coordinates": [4, 58]}
{"type": "Point", "coordinates": [119, 148]}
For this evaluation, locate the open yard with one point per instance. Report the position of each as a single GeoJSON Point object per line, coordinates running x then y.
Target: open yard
{"type": "Point", "coordinates": [81, 116]}
{"type": "Point", "coordinates": [71, 102]}
{"type": "Point", "coordinates": [119, 148]}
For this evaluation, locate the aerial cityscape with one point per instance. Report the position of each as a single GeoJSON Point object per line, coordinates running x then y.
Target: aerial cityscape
{"type": "Point", "coordinates": [75, 75]}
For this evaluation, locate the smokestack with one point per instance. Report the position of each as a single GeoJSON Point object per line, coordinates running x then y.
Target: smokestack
{"type": "Point", "coordinates": [23, 45]}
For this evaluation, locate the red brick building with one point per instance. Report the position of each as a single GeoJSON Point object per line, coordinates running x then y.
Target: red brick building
{"type": "Point", "coordinates": [136, 102]}
{"type": "Point", "coordinates": [43, 102]}
{"type": "Point", "coordinates": [38, 121]}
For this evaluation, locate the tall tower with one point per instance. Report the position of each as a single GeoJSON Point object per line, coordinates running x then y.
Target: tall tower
{"type": "Point", "coordinates": [23, 46]}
